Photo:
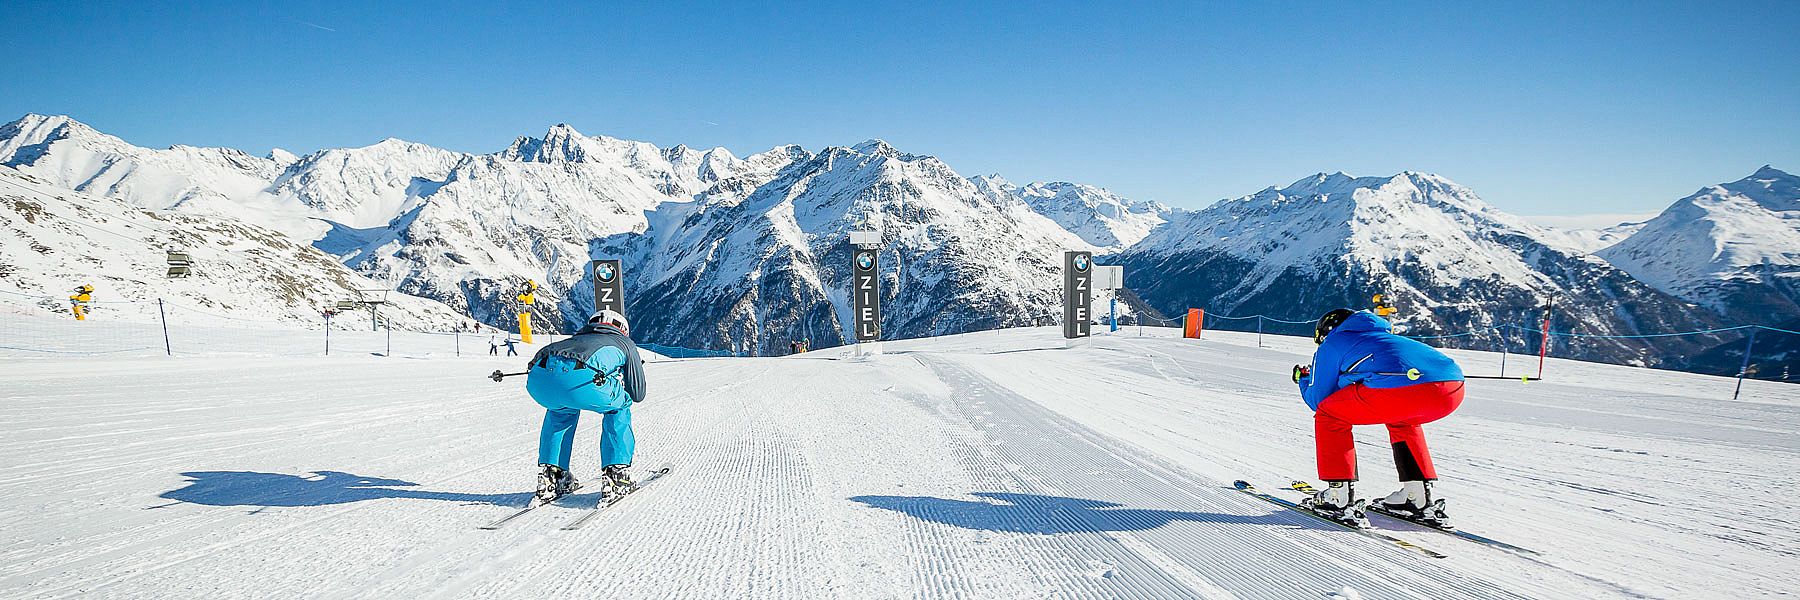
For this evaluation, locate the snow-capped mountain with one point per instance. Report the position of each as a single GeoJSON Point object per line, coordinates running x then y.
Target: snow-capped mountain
{"type": "Point", "coordinates": [745, 253]}
{"type": "Point", "coordinates": [1103, 218]}
{"type": "Point", "coordinates": [1590, 240]}
{"type": "Point", "coordinates": [530, 211]}
{"type": "Point", "coordinates": [751, 265]}
{"type": "Point", "coordinates": [57, 239]}
{"type": "Point", "coordinates": [1734, 248]}
{"type": "Point", "coordinates": [1452, 263]}
{"type": "Point", "coordinates": [217, 181]}
{"type": "Point", "coordinates": [363, 187]}
{"type": "Point", "coordinates": [464, 229]}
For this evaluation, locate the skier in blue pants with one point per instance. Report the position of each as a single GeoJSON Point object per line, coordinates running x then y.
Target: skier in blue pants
{"type": "Point", "coordinates": [598, 369]}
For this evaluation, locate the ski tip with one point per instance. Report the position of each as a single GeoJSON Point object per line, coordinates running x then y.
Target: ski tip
{"type": "Point", "coordinates": [1241, 484]}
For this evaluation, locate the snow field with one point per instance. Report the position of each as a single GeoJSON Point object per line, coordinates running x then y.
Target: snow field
{"type": "Point", "coordinates": [983, 465]}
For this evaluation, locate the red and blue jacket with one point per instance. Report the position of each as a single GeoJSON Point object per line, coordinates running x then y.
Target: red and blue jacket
{"type": "Point", "coordinates": [1363, 349]}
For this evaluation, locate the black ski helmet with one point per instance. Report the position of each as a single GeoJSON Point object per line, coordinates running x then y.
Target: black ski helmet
{"type": "Point", "coordinates": [1329, 322]}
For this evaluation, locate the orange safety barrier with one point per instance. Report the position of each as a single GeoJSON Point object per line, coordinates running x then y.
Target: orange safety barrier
{"type": "Point", "coordinates": [1194, 323]}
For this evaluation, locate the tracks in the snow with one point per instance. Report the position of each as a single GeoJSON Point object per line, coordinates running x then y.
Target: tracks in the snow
{"type": "Point", "coordinates": [1170, 533]}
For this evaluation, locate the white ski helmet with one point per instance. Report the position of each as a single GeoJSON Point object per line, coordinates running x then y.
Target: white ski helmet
{"type": "Point", "coordinates": [610, 317]}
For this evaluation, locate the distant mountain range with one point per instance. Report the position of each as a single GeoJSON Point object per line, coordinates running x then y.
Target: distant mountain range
{"type": "Point", "coordinates": [745, 253]}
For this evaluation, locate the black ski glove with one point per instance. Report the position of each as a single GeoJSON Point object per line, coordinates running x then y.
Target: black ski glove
{"type": "Point", "coordinates": [1301, 372]}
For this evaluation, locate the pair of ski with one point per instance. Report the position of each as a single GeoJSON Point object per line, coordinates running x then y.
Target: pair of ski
{"type": "Point", "coordinates": [593, 511]}
{"type": "Point", "coordinates": [1245, 487]}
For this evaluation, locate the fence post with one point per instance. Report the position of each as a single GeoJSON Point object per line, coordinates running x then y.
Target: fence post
{"type": "Point", "coordinates": [1259, 331]}
{"type": "Point", "coordinates": [389, 326]}
{"type": "Point", "coordinates": [1501, 333]}
{"type": "Point", "coordinates": [1748, 346]}
{"type": "Point", "coordinates": [164, 317]}
{"type": "Point", "coordinates": [1544, 347]}
{"type": "Point", "coordinates": [458, 335]}
{"type": "Point", "coordinates": [328, 333]}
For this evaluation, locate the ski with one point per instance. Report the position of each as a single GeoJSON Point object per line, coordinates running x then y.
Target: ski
{"type": "Point", "coordinates": [530, 507]}
{"type": "Point", "coordinates": [1473, 537]}
{"type": "Point", "coordinates": [533, 505]}
{"type": "Point", "coordinates": [614, 499]}
{"type": "Point", "coordinates": [1245, 487]}
{"type": "Point", "coordinates": [1307, 488]}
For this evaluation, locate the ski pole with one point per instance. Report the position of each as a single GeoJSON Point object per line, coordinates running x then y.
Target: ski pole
{"type": "Point", "coordinates": [497, 375]}
{"type": "Point", "coordinates": [1523, 378]}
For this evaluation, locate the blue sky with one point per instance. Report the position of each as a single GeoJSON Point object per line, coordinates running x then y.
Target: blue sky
{"type": "Point", "coordinates": [1543, 109]}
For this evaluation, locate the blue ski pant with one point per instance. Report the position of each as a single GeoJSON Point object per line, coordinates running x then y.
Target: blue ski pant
{"type": "Point", "coordinates": [564, 390]}
{"type": "Point", "coordinates": [556, 442]}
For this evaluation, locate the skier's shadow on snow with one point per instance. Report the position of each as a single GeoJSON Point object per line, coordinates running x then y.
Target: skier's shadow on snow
{"type": "Point", "coordinates": [321, 488]}
{"type": "Point", "coordinates": [1031, 513]}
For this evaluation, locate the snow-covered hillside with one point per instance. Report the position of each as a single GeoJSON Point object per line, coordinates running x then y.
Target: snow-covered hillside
{"type": "Point", "coordinates": [1734, 248]}
{"type": "Point", "coordinates": [753, 264]}
{"type": "Point", "coordinates": [988, 465]}
{"type": "Point", "coordinates": [1452, 263]}
{"type": "Point", "coordinates": [1104, 219]}
{"type": "Point", "coordinates": [57, 239]}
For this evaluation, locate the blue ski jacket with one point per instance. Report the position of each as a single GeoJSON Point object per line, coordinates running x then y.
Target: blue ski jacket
{"type": "Point", "coordinates": [1364, 350]}
{"type": "Point", "coordinates": [563, 375]}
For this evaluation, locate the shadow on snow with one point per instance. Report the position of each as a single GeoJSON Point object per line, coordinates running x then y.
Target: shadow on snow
{"type": "Point", "coordinates": [322, 488]}
{"type": "Point", "coordinates": [1031, 513]}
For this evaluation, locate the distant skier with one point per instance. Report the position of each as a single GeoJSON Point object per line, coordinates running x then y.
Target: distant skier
{"type": "Point", "coordinates": [597, 369]}
{"type": "Point", "coordinates": [511, 350]}
{"type": "Point", "coordinates": [1363, 374]}
{"type": "Point", "coordinates": [493, 345]}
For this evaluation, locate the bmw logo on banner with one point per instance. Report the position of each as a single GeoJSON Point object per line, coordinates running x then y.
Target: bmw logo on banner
{"type": "Point", "coordinates": [1078, 293]}
{"type": "Point", "coordinates": [609, 287]}
{"type": "Point", "coordinates": [865, 280]}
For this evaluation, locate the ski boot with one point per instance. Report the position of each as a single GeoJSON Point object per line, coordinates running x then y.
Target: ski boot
{"type": "Point", "coordinates": [1338, 502]}
{"type": "Point", "coordinates": [618, 481]}
{"type": "Point", "coordinates": [554, 482]}
{"type": "Point", "coordinates": [1414, 501]}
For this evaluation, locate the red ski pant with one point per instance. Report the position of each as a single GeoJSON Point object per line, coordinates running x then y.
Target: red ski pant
{"type": "Point", "coordinates": [1402, 409]}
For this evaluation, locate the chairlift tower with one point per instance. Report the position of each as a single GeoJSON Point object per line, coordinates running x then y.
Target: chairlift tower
{"type": "Point", "coordinates": [368, 299]}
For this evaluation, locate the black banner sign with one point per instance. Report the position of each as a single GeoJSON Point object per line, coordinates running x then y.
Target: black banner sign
{"type": "Point", "coordinates": [1078, 293]}
{"type": "Point", "coordinates": [866, 281]}
{"type": "Point", "coordinates": [609, 287]}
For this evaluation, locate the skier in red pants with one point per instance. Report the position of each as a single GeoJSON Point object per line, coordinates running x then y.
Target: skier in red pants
{"type": "Point", "coordinates": [1363, 374]}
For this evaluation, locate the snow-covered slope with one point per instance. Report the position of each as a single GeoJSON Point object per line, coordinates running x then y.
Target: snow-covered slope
{"type": "Point", "coordinates": [57, 239]}
{"type": "Point", "coordinates": [1453, 264]}
{"type": "Point", "coordinates": [988, 465]}
{"type": "Point", "coordinates": [1734, 248]}
{"type": "Point", "coordinates": [1103, 218]}
{"type": "Point", "coordinates": [751, 265]}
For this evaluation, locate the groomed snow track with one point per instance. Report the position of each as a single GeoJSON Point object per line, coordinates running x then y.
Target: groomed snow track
{"type": "Point", "coordinates": [976, 466]}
